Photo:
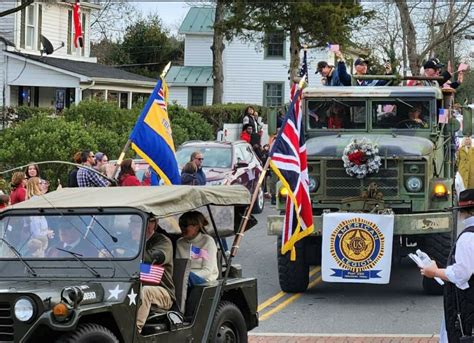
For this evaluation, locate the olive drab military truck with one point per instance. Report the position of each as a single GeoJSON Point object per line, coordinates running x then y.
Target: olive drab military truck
{"type": "Point", "coordinates": [413, 179]}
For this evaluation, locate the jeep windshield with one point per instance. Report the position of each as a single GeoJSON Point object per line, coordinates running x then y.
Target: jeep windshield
{"type": "Point", "coordinates": [55, 236]}
{"type": "Point", "coordinates": [214, 156]}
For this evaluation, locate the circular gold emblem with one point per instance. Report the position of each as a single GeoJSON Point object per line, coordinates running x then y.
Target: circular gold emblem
{"type": "Point", "coordinates": [357, 244]}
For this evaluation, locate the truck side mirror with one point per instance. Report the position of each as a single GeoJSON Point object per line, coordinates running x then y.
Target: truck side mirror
{"type": "Point", "coordinates": [467, 121]}
{"type": "Point", "coordinates": [272, 121]}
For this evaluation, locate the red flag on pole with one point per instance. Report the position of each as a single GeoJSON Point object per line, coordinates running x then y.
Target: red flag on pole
{"type": "Point", "coordinates": [78, 38]}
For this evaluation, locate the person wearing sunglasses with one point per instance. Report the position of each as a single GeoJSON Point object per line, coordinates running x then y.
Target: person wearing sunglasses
{"type": "Point", "coordinates": [198, 159]}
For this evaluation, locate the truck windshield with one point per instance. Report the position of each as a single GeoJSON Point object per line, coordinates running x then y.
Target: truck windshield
{"type": "Point", "coordinates": [336, 114]}
{"type": "Point", "coordinates": [401, 114]}
{"type": "Point", "coordinates": [87, 236]}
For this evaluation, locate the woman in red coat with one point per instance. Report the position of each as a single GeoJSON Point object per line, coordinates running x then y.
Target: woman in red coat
{"type": "Point", "coordinates": [127, 176]}
{"type": "Point", "coordinates": [18, 185]}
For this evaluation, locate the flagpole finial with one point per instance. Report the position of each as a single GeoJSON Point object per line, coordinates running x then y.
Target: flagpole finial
{"type": "Point", "coordinates": [165, 70]}
{"type": "Point", "coordinates": [305, 47]}
{"type": "Point", "coordinates": [302, 82]}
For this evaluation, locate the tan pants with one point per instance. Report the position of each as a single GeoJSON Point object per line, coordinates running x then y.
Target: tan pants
{"type": "Point", "coordinates": [152, 295]}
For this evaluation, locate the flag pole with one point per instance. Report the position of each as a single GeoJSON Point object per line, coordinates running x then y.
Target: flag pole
{"type": "Point", "coordinates": [129, 142]}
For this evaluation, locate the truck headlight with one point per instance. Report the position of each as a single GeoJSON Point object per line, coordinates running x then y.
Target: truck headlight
{"type": "Point", "coordinates": [313, 184]}
{"type": "Point", "coordinates": [440, 190]}
{"type": "Point", "coordinates": [24, 309]}
{"type": "Point", "coordinates": [414, 184]}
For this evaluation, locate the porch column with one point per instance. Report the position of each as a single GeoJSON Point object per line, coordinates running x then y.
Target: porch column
{"type": "Point", "coordinates": [7, 96]}
{"type": "Point", "coordinates": [78, 96]}
{"type": "Point", "coordinates": [106, 95]}
{"type": "Point", "coordinates": [129, 100]}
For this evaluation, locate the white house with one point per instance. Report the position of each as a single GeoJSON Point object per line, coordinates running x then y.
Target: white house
{"type": "Point", "coordinates": [30, 77]}
{"type": "Point", "coordinates": [253, 73]}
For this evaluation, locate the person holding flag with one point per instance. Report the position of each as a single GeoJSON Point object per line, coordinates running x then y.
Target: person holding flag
{"type": "Point", "coordinates": [288, 160]}
{"type": "Point", "coordinates": [151, 137]}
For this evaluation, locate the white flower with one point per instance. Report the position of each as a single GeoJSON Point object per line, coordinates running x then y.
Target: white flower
{"type": "Point", "coordinates": [370, 150]}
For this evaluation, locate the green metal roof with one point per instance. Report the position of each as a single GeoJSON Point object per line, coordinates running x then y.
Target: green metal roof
{"type": "Point", "coordinates": [190, 76]}
{"type": "Point", "coordinates": [198, 20]}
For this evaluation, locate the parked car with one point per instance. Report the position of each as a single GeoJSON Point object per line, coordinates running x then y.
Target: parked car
{"type": "Point", "coordinates": [226, 163]}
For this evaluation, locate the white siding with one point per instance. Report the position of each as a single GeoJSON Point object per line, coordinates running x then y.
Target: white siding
{"type": "Point", "coordinates": [209, 95]}
{"type": "Point", "coordinates": [7, 23]}
{"type": "Point", "coordinates": [197, 50]}
{"type": "Point", "coordinates": [179, 95]}
{"type": "Point", "coordinates": [28, 74]}
{"type": "Point", "coordinates": [2, 73]}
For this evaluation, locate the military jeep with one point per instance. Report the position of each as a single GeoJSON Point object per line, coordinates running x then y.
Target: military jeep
{"type": "Point", "coordinates": [49, 292]}
{"type": "Point", "coordinates": [414, 181]}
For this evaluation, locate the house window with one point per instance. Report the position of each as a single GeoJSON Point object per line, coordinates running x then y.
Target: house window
{"type": "Point", "coordinates": [275, 45]}
{"type": "Point", "coordinates": [197, 96]}
{"type": "Point", "coordinates": [30, 26]}
{"type": "Point", "coordinates": [71, 49]}
{"type": "Point", "coordinates": [273, 94]}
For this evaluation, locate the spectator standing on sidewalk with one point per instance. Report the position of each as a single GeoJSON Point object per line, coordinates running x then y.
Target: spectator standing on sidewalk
{"type": "Point", "coordinates": [87, 177]}
{"type": "Point", "coordinates": [127, 175]}
{"type": "Point", "coordinates": [18, 185]}
{"type": "Point", "coordinates": [197, 158]}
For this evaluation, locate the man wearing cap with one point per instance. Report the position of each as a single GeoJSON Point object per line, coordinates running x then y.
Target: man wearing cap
{"type": "Point", "coordinates": [459, 288]}
{"type": "Point", "coordinates": [360, 66]}
{"type": "Point", "coordinates": [162, 295]}
{"type": "Point", "coordinates": [334, 76]}
{"type": "Point", "coordinates": [87, 177]}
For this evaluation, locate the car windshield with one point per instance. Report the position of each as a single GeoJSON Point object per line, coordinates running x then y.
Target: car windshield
{"type": "Point", "coordinates": [88, 236]}
{"type": "Point", "coordinates": [336, 114]}
{"type": "Point", "coordinates": [401, 114]}
{"type": "Point", "coordinates": [214, 157]}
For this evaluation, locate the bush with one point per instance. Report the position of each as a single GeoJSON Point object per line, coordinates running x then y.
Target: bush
{"type": "Point", "coordinates": [217, 115]}
{"type": "Point", "coordinates": [187, 125]}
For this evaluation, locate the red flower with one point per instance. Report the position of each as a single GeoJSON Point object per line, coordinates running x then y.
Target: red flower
{"type": "Point", "coordinates": [357, 157]}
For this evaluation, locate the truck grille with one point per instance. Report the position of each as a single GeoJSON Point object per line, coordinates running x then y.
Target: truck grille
{"type": "Point", "coordinates": [341, 185]}
{"type": "Point", "coordinates": [6, 322]}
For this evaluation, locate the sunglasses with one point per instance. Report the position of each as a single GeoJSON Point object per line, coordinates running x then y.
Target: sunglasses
{"type": "Point", "coordinates": [200, 159]}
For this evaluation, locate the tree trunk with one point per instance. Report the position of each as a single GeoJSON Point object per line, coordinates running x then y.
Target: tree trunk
{"type": "Point", "coordinates": [410, 34]}
{"type": "Point", "coordinates": [294, 54]}
{"type": "Point", "coordinates": [217, 53]}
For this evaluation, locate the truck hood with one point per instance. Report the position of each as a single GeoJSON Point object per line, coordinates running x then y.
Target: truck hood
{"type": "Point", "coordinates": [333, 146]}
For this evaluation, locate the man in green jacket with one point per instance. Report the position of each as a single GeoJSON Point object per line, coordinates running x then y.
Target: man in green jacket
{"type": "Point", "coordinates": [162, 295]}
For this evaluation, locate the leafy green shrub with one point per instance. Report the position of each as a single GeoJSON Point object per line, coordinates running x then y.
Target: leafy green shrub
{"type": "Point", "coordinates": [24, 112]}
{"type": "Point", "coordinates": [188, 125]}
{"type": "Point", "coordinates": [217, 115]}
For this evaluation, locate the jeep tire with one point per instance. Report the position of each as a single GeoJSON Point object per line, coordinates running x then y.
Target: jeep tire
{"type": "Point", "coordinates": [293, 275]}
{"type": "Point", "coordinates": [438, 247]}
{"type": "Point", "coordinates": [228, 325]}
{"type": "Point", "coordinates": [89, 333]}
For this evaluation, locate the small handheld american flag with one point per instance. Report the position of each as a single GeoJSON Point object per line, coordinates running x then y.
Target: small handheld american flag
{"type": "Point", "coordinates": [199, 253]}
{"type": "Point", "coordinates": [151, 273]}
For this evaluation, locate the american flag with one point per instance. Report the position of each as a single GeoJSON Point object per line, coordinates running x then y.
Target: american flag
{"type": "Point", "coordinates": [151, 273]}
{"type": "Point", "coordinates": [289, 162]}
{"type": "Point", "coordinates": [303, 72]}
{"type": "Point", "coordinates": [196, 253]}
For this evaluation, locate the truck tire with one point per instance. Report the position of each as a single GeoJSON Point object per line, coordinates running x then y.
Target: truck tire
{"type": "Point", "coordinates": [293, 275]}
{"type": "Point", "coordinates": [228, 325]}
{"type": "Point", "coordinates": [89, 333]}
{"type": "Point", "coordinates": [259, 203]}
{"type": "Point", "coordinates": [438, 247]}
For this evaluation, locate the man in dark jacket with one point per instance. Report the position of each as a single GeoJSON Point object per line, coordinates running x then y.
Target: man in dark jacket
{"type": "Point", "coordinates": [459, 288]}
{"type": "Point", "coordinates": [361, 66]}
{"type": "Point", "coordinates": [334, 76]}
{"type": "Point", "coordinates": [162, 295]}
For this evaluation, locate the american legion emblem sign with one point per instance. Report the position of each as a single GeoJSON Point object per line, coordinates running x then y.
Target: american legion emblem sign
{"type": "Point", "coordinates": [357, 247]}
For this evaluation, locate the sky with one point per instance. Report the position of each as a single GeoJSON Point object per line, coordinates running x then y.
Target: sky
{"type": "Point", "coordinates": [171, 13]}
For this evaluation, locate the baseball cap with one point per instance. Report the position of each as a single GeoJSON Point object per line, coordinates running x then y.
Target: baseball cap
{"type": "Point", "coordinates": [360, 61]}
{"type": "Point", "coordinates": [433, 64]}
{"type": "Point", "coordinates": [99, 156]}
{"type": "Point", "coordinates": [321, 65]}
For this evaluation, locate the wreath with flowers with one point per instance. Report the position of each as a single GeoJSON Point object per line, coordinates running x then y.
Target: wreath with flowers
{"type": "Point", "coordinates": [361, 157]}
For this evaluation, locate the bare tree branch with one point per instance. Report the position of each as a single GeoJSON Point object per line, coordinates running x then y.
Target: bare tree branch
{"type": "Point", "coordinates": [16, 9]}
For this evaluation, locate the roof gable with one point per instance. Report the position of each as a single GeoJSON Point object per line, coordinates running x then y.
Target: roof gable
{"type": "Point", "coordinates": [198, 20]}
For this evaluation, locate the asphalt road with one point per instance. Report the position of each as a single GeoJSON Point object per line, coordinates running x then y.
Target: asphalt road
{"type": "Point", "coordinates": [400, 307]}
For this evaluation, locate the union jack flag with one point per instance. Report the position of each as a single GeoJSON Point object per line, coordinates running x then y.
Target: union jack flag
{"type": "Point", "coordinates": [162, 98]}
{"type": "Point", "coordinates": [289, 162]}
{"type": "Point", "coordinates": [151, 273]}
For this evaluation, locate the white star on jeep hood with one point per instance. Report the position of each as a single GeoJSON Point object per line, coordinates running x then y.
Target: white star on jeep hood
{"type": "Point", "coordinates": [114, 293]}
{"type": "Point", "coordinates": [132, 296]}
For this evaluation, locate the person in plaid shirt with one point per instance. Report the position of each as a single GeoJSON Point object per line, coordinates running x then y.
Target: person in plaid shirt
{"type": "Point", "coordinates": [87, 177]}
